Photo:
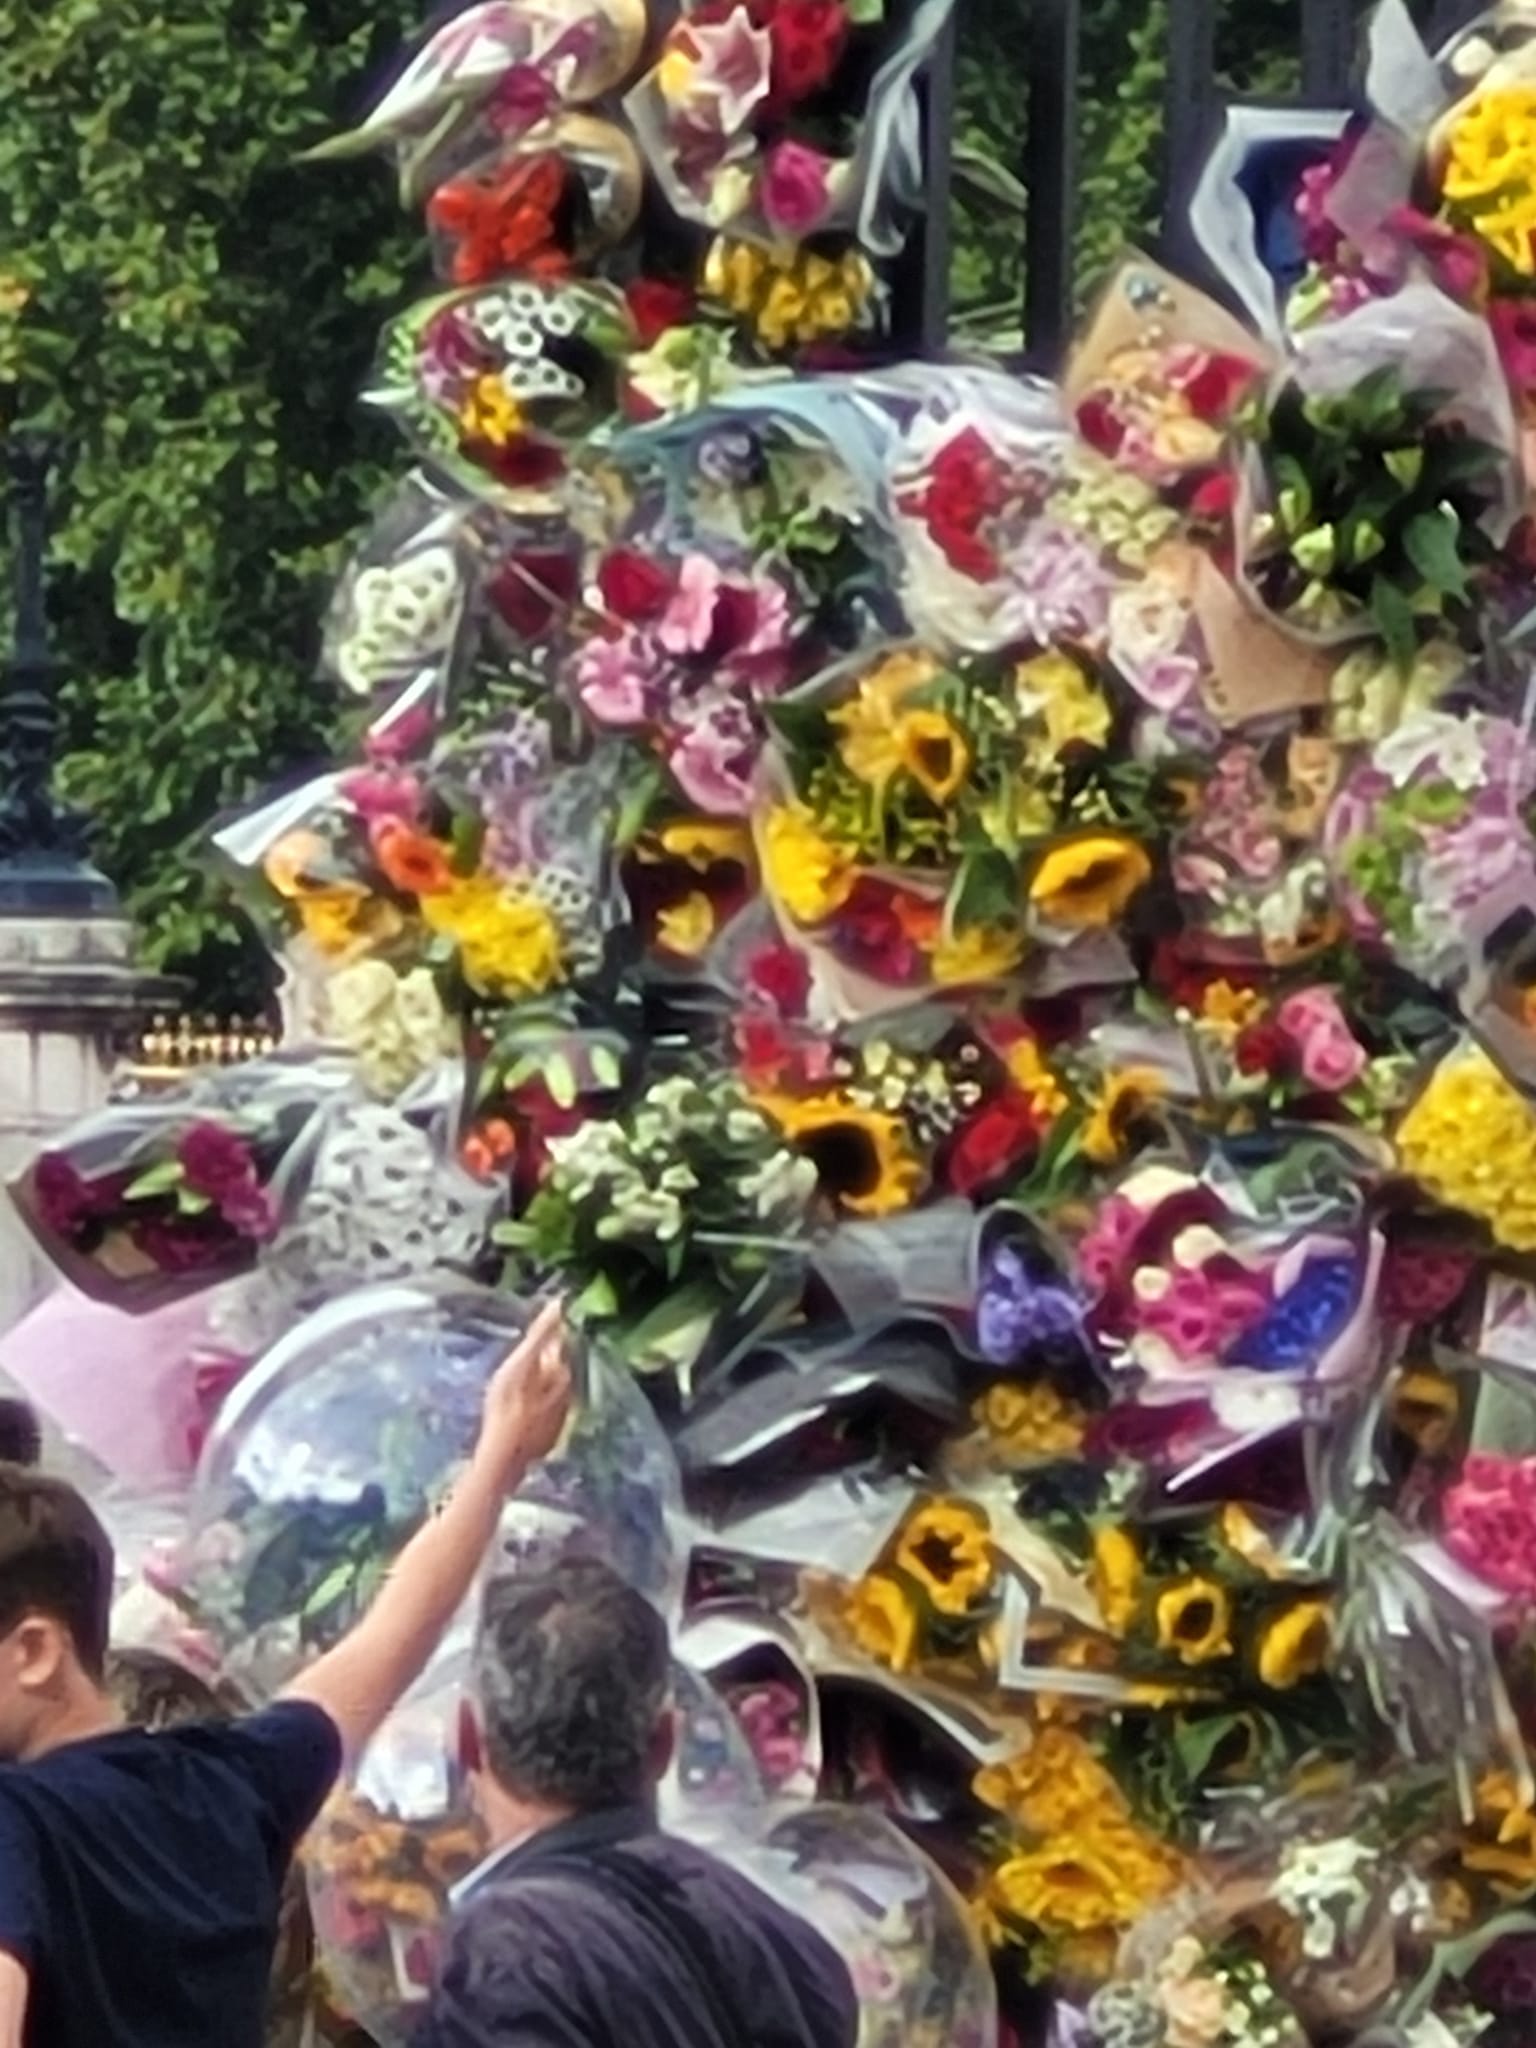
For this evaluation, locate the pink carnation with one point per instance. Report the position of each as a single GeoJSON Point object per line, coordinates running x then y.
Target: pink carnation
{"type": "Point", "coordinates": [1332, 1058]}
{"type": "Point", "coordinates": [796, 188]}
{"type": "Point", "coordinates": [1490, 1523]}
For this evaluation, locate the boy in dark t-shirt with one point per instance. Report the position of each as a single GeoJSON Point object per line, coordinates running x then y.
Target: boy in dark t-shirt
{"type": "Point", "coordinates": [141, 1874]}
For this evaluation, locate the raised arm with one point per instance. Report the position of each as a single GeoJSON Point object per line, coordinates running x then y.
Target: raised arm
{"type": "Point", "coordinates": [526, 1404]}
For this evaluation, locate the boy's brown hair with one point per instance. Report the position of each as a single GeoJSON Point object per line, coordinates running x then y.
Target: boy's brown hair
{"type": "Point", "coordinates": [55, 1560]}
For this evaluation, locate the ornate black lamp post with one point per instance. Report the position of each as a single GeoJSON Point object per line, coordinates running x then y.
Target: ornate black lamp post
{"type": "Point", "coordinates": [43, 868]}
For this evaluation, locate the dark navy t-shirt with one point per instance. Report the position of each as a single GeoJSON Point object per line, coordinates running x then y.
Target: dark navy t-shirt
{"type": "Point", "coordinates": [141, 1876]}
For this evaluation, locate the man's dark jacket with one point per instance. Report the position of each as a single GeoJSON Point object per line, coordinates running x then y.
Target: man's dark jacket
{"type": "Point", "coordinates": [602, 1933]}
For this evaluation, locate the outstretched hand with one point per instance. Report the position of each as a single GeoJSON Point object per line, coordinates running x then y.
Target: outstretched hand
{"type": "Point", "coordinates": [529, 1397]}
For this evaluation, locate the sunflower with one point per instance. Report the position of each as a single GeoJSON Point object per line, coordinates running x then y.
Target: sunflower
{"type": "Point", "coordinates": [1121, 1104]}
{"type": "Point", "coordinates": [810, 874]}
{"type": "Point", "coordinates": [1115, 1580]}
{"type": "Point", "coordinates": [881, 1616]}
{"type": "Point", "coordinates": [1057, 1783]}
{"type": "Point", "coordinates": [983, 952]}
{"type": "Point", "coordinates": [1194, 1621]}
{"type": "Point", "coordinates": [1099, 1876]}
{"type": "Point", "coordinates": [1426, 1408]}
{"type": "Point", "coordinates": [934, 752]}
{"type": "Point", "coordinates": [864, 1157]}
{"type": "Point", "coordinates": [946, 1549]}
{"type": "Point", "coordinates": [1087, 883]}
{"type": "Point", "coordinates": [1296, 1645]}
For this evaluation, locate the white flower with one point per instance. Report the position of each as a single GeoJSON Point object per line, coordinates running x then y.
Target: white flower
{"type": "Point", "coordinates": [782, 1186]}
{"type": "Point", "coordinates": [1451, 747]}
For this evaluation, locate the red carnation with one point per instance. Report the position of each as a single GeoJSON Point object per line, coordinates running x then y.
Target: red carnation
{"type": "Point", "coordinates": [1100, 425]}
{"type": "Point", "coordinates": [781, 977]}
{"type": "Point", "coordinates": [633, 588]}
{"type": "Point", "coordinates": [871, 930]}
{"type": "Point", "coordinates": [993, 1144]}
{"type": "Point", "coordinates": [656, 308]}
{"type": "Point", "coordinates": [1265, 1049]}
{"type": "Point", "coordinates": [530, 590]}
{"type": "Point", "coordinates": [523, 464]}
{"type": "Point", "coordinates": [809, 37]}
{"type": "Point", "coordinates": [1215, 496]}
{"type": "Point", "coordinates": [216, 1162]}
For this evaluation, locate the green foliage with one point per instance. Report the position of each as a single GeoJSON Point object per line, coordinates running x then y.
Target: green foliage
{"type": "Point", "coordinates": [194, 314]}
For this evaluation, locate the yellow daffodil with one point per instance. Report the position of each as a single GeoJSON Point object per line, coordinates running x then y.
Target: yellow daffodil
{"type": "Point", "coordinates": [700, 843]}
{"type": "Point", "coordinates": [809, 873]}
{"type": "Point", "coordinates": [1490, 172]}
{"type": "Point", "coordinates": [1116, 1578]}
{"type": "Point", "coordinates": [1121, 1103]}
{"type": "Point", "coordinates": [946, 1549]}
{"type": "Point", "coordinates": [1194, 1621]}
{"type": "Point", "coordinates": [863, 1157]}
{"type": "Point", "coordinates": [1296, 1645]}
{"type": "Point", "coordinates": [980, 953]}
{"type": "Point", "coordinates": [1226, 1011]}
{"type": "Point", "coordinates": [881, 1616]}
{"type": "Point", "coordinates": [1033, 1078]}
{"type": "Point", "coordinates": [1086, 884]}
{"type": "Point", "coordinates": [882, 737]}
{"type": "Point", "coordinates": [509, 944]}
{"type": "Point", "coordinates": [1030, 1421]}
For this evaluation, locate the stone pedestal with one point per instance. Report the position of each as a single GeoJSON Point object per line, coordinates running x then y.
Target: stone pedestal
{"type": "Point", "coordinates": [68, 992]}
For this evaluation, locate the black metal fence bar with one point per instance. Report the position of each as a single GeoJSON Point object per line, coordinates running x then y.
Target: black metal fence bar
{"type": "Point", "coordinates": [1330, 33]}
{"type": "Point", "coordinates": [1050, 174]}
{"type": "Point", "coordinates": [920, 287]}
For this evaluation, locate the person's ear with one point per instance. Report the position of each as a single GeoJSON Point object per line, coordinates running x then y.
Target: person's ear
{"type": "Point", "coordinates": [37, 1651]}
{"type": "Point", "coordinates": [471, 1742]}
{"type": "Point", "coordinates": [663, 1746]}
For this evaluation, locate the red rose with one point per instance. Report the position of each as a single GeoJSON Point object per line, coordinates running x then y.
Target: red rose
{"type": "Point", "coordinates": [763, 1048]}
{"type": "Point", "coordinates": [871, 930]}
{"type": "Point", "coordinates": [809, 37]}
{"type": "Point", "coordinates": [1265, 1049]}
{"type": "Point", "coordinates": [1214, 497]}
{"type": "Point", "coordinates": [633, 588]}
{"type": "Point", "coordinates": [1215, 391]}
{"type": "Point", "coordinates": [1099, 425]}
{"type": "Point", "coordinates": [655, 308]}
{"type": "Point", "coordinates": [529, 591]}
{"type": "Point", "coordinates": [993, 1144]}
{"type": "Point", "coordinates": [781, 977]}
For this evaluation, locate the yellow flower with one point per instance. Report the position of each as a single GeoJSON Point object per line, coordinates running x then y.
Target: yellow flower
{"type": "Point", "coordinates": [1296, 1645]}
{"type": "Point", "coordinates": [509, 945]}
{"type": "Point", "coordinates": [1116, 1577]}
{"type": "Point", "coordinates": [882, 1618]}
{"type": "Point", "coordinates": [1030, 1422]}
{"type": "Point", "coordinates": [1194, 1621]}
{"type": "Point", "coordinates": [686, 928]}
{"type": "Point", "coordinates": [1426, 1408]}
{"type": "Point", "coordinates": [875, 728]}
{"type": "Point", "coordinates": [809, 874]}
{"type": "Point", "coordinates": [1503, 1850]}
{"type": "Point", "coordinates": [946, 1548]}
{"type": "Point", "coordinates": [1033, 1078]}
{"type": "Point", "coordinates": [1490, 172]}
{"type": "Point", "coordinates": [336, 921]}
{"type": "Point", "coordinates": [983, 952]}
{"type": "Point", "coordinates": [1123, 1101]}
{"type": "Point", "coordinates": [1090, 1878]}
{"type": "Point", "coordinates": [297, 865]}
{"type": "Point", "coordinates": [1055, 1784]}
{"type": "Point", "coordinates": [782, 314]}
{"type": "Point", "coordinates": [1076, 712]}
{"type": "Point", "coordinates": [1226, 1011]}
{"type": "Point", "coordinates": [1088, 883]}
{"type": "Point", "coordinates": [674, 74]}
{"type": "Point", "coordinates": [701, 843]}
{"type": "Point", "coordinates": [1242, 1535]}
{"type": "Point", "coordinates": [863, 1157]}
{"type": "Point", "coordinates": [934, 753]}
{"type": "Point", "coordinates": [1470, 1141]}
{"type": "Point", "coordinates": [490, 413]}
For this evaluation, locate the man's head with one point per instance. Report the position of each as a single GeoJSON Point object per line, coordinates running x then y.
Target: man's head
{"type": "Point", "coordinates": [55, 1605]}
{"type": "Point", "coordinates": [572, 1673]}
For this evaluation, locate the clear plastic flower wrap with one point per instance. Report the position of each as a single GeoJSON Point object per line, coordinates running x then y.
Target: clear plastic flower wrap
{"type": "Point", "coordinates": [148, 1201]}
{"type": "Point", "coordinates": [333, 1449]}
{"type": "Point", "coordinates": [394, 1841]}
{"type": "Point", "coordinates": [497, 382]}
{"type": "Point", "coordinates": [542, 202]}
{"type": "Point", "coordinates": [916, 1959]}
{"type": "Point", "coordinates": [500, 65]}
{"type": "Point", "coordinates": [726, 120]}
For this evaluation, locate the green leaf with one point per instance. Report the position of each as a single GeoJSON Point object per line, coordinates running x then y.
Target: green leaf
{"type": "Point", "coordinates": [155, 1180]}
{"type": "Point", "coordinates": [560, 1080]}
{"type": "Point", "coordinates": [1432, 544]}
{"type": "Point", "coordinates": [986, 891]}
{"type": "Point", "coordinates": [1394, 618]}
{"type": "Point", "coordinates": [607, 1069]}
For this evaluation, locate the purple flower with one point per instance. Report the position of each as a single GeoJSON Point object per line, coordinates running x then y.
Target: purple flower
{"type": "Point", "coordinates": [64, 1196]}
{"type": "Point", "coordinates": [1018, 1310]}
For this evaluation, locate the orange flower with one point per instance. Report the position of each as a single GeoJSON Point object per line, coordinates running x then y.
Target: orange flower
{"type": "Point", "coordinates": [411, 861]}
{"type": "Point", "coordinates": [488, 1147]}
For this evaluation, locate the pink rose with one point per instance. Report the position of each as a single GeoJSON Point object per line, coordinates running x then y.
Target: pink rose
{"type": "Point", "coordinates": [796, 188]}
{"type": "Point", "coordinates": [1490, 1522]}
{"type": "Point", "coordinates": [1332, 1058]}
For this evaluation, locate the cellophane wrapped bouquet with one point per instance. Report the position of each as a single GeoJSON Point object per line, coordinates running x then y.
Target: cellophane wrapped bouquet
{"type": "Point", "coordinates": [983, 933]}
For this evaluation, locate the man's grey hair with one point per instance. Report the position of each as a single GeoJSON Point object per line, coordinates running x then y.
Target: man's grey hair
{"type": "Point", "coordinates": [572, 1671]}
